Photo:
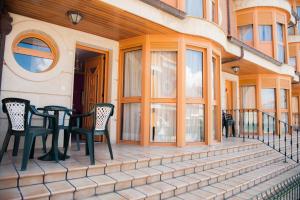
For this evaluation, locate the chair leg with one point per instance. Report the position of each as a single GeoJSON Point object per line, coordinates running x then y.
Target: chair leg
{"type": "Point", "coordinates": [90, 142]}
{"type": "Point", "coordinates": [66, 142]}
{"type": "Point", "coordinates": [26, 153]}
{"type": "Point", "coordinates": [32, 149]}
{"type": "Point", "coordinates": [87, 152]}
{"type": "Point", "coordinates": [78, 142]}
{"type": "Point", "coordinates": [16, 145]}
{"type": "Point", "coordinates": [109, 145]}
{"type": "Point", "coordinates": [44, 140]}
{"type": "Point", "coordinates": [4, 146]}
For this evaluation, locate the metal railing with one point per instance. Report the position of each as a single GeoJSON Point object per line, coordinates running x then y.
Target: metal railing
{"type": "Point", "coordinates": [256, 124]}
{"type": "Point", "coordinates": [287, 190]}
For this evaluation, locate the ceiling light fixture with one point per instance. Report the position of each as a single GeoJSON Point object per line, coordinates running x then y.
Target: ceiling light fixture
{"type": "Point", "coordinates": [235, 69]}
{"type": "Point", "coordinates": [74, 16]}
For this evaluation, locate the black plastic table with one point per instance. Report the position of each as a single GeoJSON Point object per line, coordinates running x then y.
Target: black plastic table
{"type": "Point", "coordinates": [54, 154]}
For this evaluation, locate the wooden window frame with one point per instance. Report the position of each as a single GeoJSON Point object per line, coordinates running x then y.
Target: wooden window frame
{"type": "Point", "coordinates": [53, 54]}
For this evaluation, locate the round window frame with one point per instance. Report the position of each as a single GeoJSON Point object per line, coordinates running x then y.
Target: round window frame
{"type": "Point", "coordinates": [43, 37]}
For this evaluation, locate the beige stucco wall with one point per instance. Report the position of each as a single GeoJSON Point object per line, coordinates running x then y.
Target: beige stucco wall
{"type": "Point", "coordinates": [53, 87]}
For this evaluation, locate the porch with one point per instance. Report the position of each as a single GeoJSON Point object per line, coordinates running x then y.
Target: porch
{"type": "Point", "coordinates": [140, 172]}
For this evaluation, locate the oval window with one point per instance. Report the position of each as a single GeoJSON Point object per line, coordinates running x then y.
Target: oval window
{"type": "Point", "coordinates": [35, 53]}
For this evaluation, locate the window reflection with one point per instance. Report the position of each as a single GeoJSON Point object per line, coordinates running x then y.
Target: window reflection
{"type": "Point", "coordinates": [268, 98]}
{"type": "Point", "coordinates": [246, 33]}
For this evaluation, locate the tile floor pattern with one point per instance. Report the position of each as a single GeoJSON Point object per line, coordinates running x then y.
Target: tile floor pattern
{"type": "Point", "coordinates": [233, 169]}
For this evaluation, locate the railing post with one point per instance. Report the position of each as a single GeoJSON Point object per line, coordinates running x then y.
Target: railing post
{"type": "Point", "coordinates": [243, 126]}
{"type": "Point", "coordinates": [268, 130]}
{"type": "Point", "coordinates": [279, 149]}
{"type": "Point", "coordinates": [248, 125]}
{"type": "Point", "coordinates": [291, 131]}
{"type": "Point", "coordinates": [273, 133]}
{"type": "Point", "coordinates": [257, 123]}
{"type": "Point", "coordinates": [263, 127]}
{"type": "Point", "coordinates": [284, 143]}
{"type": "Point", "coordinates": [253, 124]}
{"type": "Point", "coordinates": [297, 145]}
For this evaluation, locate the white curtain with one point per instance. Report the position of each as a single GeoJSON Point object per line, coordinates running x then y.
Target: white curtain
{"type": "Point", "coordinates": [131, 121]}
{"type": "Point", "coordinates": [283, 98]}
{"type": "Point", "coordinates": [163, 74]}
{"type": "Point", "coordinates": [248, 97]}
{"type": "Point", "coordinates": [193, 74]}
{"type": "Point", "coordinates": [268, 98]}
{"type": "Point", "coordinates": [194, 123]}
{"type": "Point", "coordinates": [163, 123]}
{"type": "Point", "coordinates": [132, 73]}
{"type": "Point", "coordinates": [246, 32]}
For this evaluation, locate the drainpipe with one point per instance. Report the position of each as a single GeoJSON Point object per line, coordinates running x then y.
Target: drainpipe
{"type": "Point", "coordinates": [228, 19]}
{"type": "Point", "coordinates": [5, 29]}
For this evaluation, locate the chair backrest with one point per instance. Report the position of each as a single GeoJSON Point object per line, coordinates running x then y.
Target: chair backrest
{"type": "Point", "coordinates": [61, 114]}
{"type": "Point", "coordinates": [17, 112]}
{"type": "Point", "coordinates": [103, 111]}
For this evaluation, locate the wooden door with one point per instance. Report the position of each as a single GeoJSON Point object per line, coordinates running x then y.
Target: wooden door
{"type": "Point", "coordinates": [229, 95]}
{"type": "Point", "coordinates": [94, 86]}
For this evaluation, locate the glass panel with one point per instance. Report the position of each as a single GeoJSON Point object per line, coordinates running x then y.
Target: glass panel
{"type": "Point", "coordinates": [265, 32]}
{"type": "Point", "coordinates": [283, 98]}
{"type": "Point", "coordinates": [281, 53]}
{"type": "Point", "coordinates": [132, 73]}
{"type": "Point", "coordinates": [291, 30]}
{"type": "Point", "coordinates": [292, 61]}
{"type": "Point", "coordinates": [194, 123]}
{"type": "Point", "coordinates": [194, 74]}
{"type": "Point", "coordinates": [34, 43]}
{"type": "Point", "coordinates": [213, 78]}
{"type": "Point", "coordinates": [283, 126]}
{"type": "Point", "coordinates": [295, 104]}
{"type": "Point", "coordinates": [246, 33]}
{"type": "Point", "coordinates": [163, 123]}
{"type": "Point", "coordinates": [279, 32]}
{"type": "Point", "coordinates": [33, 63]}
{"type": "Point", "coordinates": [269, 123]}
{"type": "Point", "coordinates": [163, 68]}
{"type": "Point", "coordinates": [131, 122]}
{"type": "Point", "coordinates": [250, 121]}
{"type": "Point", "coordinates": [268, 98]}
{"type": "Point", "coordinates": [194, 8]}
{"type": "Point", "coordinates": [213, 11]}
{"type": "Point", "coordinates": [248, 97]}
{"type": "Point", "coordinates": [214, 122]}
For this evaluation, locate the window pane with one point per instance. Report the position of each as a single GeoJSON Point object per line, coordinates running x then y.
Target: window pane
{"type": "Point", "coordinates": [213, 11]}
{"type": "Point", "coordinates": [163, 68]}
{"type": "Point", "coordinates": [194, 8]}
{"type": "Point", "coordinates": [194, 74]}
{"type": "Point", "coordinates": [214, 122]}
{"type": "Point", "coordinates": [163, 123]}
{"type": "Point", "coordinates": [265, 32]}
{"type": "Point", "coordinates": [32, 63]}
{"type": "Point", "coordinates": [246, 33]}
{"type": "Point", "coordinates": [268, 98]}
{"type": "Point", "coordinates": [279, 32]}
{"type": "Point", "coordinates": [292, 61]}
{"type": "Point", "coordinates": [132, 73]}
{"type": "Point", "coordinates": [285, 119]}
{"type": "Point", "coordinates": [281, 53]}
{"type": "Point", "coordinates": [291, 30]}
{"type": "Point", "coordinates": [131, 122]}
{"type": "Point", "coordinates": [213, 78]}
{"type": "Point", "coordinates": [34, 43]}
{"type": "Point", "coordinates": [269, 123]}
{"type": "Point", "coordinates": [248, 97]}
{"type": "Point", "coordinates": [249, 121]}
{"type": "Point", "coordinates": [194, 123]}
{"type": "Point", "coordinates": [283, 98]}
{"type": "Point", "coordinates": [295, 104]}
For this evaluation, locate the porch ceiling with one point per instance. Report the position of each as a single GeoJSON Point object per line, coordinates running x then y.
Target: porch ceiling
{"type": "Point", "coordinates": [246, 68]}
{"type": "Point", "coordinates": [99, 18]}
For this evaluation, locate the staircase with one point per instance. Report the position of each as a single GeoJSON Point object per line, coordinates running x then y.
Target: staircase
{"type": "Point", "coordinates": [232, 170]}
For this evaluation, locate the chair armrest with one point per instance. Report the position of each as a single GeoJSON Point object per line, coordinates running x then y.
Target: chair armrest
{"type": "Point", "coordinates": [78, 118]}
{"type": "Point", "coordinates": [34, 111]}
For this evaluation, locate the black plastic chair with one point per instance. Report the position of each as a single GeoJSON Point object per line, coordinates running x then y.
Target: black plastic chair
{"type": "Point", "coordinates": [227, 120]}
{"type": "Point", "coordinates": [19, 119]}
{"type": "Point", "coordinates": [101, 115]}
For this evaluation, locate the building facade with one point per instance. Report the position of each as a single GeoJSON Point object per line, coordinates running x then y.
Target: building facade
{"type": "Point", "coordinates": [170, 67]}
